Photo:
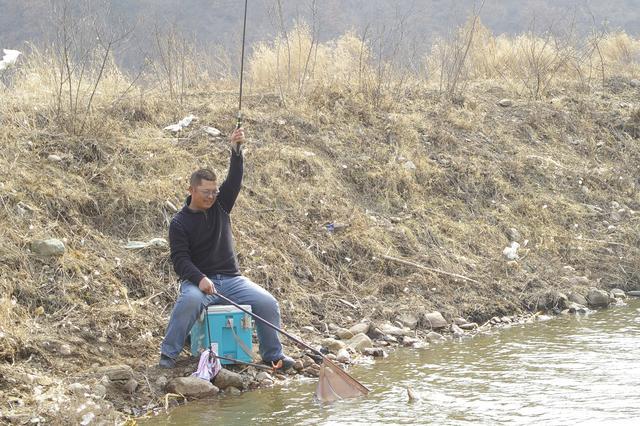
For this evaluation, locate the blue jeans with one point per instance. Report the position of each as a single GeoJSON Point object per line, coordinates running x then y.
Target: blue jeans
{"type": "Point", "coordinates": [239, 289]}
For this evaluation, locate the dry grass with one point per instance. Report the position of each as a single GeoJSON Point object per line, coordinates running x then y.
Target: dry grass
{"type": "Point", "coordinates": [533, 63]}
{"type": "Point", "coordinates": [424, 180]}
{"type": "Point", "coordinates": [296, 64]}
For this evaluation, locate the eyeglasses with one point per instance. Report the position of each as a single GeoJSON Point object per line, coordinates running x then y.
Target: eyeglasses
{"type": "Point", "coordinates": [209, 193]}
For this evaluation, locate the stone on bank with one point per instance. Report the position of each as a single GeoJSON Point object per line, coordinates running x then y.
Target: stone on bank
{"type": "Point", "coordinates": [227, 378]}
{"type": "Point", "coordinates": [47, 248]}
{"type": "Point", "coordinates": [191, 387]}
{"type": "Point", "coordinates": [598, 298]}
{"type": "Point", "coordinates": [435, 321]}
{"type": "Point", "coordinates": [359, 342]}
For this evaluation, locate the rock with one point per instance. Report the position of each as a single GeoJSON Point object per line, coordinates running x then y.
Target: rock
{"type": "Point", "coordinates": [78, 389]}
{"type": "Point", "coordinates": [597, 298]}
{"type": "Point", "coordinates": [408, 319]}
{"type": "Point", "coordinates": [359, 342]}
{"type": "Point", "coordinates": [456, 331]}
{"type": "Point", "coordinates": [634, 83]}
{"type": "Point", "coordinates": [131, 385]}
{"type": "Point", "coordinates": [226, 378]}
{"type": "Point", "coordinates": [263, 375]}
{"type": "Point", "coordinates": [343, 333]}
{"type": "Point", "coordinates": [231, 390]}
{"type": "Point", "coordinates": [343, 356]}
{"type": "Point", "coordinates": [459, 321]}
{"type": "Point", "coordinates": [307, 361]}
{"type": "Point", "coordinates": [575, 308]}
{"type": "Point", "coordinates": [469, 326]}
{"type": "Point", "coordinates": [505, 103]}
{"type": "Point", "coordinates": [375, 333]}
{"type": "Point", "coordinates": [392, 330]}
{"type": "Point", "coordinates": [577, 298]}
{"type": "Point", "coordinates": [434, 337]}
{"type": "Point", "coordinates": [409, 341]}
{"type": "Point", "coordinates": [634, 293]}
{"type": "Point", "coordinates": [316, 366]}
{"type": "Point", "coordinates": [435, 321]}
{"type": "Point", "coordinates": [50, 247]}
{"type": "Point", "coordinates": [116, 372]}
{"type": "Point", "coordinates": [298, 365]}
{"type": "Point", "coordinates": [332, 345]}
{"type": "Point", "coordinates": [398, 324]}
{"type": "Point", "coordinates": [374, 352]}
{"type": "Point", "coordinates": [267, 382]}
{"type": "Point", "coordinates": [54, 158]}
{"type": "Point", "coordinates": [100, 390]}
{"type": "Point", "coordinates": [390, 339]}
{"type": "Point", "coordinates": [161, 382]}
{"type": "Point", "coordinates": [309, 329]}
{"type": "Point", "coordinates": [312, 372]}
{"type": "Point", "coordinates": [192, 387]}
{"type": "Point", "coordinates": [562, 300]}
{"type": "Point", "coordinates": [618, 293]}
{"type": "Point", "coordinates": [362, 327]}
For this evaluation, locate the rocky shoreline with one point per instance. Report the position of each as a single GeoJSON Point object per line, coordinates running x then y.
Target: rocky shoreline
{"type": "Point", "coordinates": [122, 393]}
{"type": "Point", "coordinates": [351, 345]}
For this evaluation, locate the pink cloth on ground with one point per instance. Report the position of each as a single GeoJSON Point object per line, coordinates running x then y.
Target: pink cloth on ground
{"type": "Point", "coordinates": [209, 365]}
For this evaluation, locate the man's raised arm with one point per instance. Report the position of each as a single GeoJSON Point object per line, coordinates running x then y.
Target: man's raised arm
{"type": "Point", "coordinates": [230, 188]}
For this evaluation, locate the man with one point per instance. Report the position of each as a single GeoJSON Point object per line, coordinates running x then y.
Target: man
{"type": "Point", "coordinates": [203, 256]}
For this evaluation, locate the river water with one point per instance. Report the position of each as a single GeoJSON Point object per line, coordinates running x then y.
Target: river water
{"type": "Point", "coordinates": [564, 371]}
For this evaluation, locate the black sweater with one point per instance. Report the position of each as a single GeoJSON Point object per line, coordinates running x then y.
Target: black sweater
{"type": "Point", "coordinates": [201, 242]}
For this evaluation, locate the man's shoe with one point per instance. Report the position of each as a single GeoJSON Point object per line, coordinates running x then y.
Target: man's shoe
{"type": "Point", "coordinates": [166, 362]}
{"type": "Point", "coordinates": [283, 364]}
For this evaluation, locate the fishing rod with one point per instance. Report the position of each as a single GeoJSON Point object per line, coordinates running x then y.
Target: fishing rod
{"type": "Point", "coordinates": [238, 147]}
{"type": "Point", "coordinates": [251, 364]}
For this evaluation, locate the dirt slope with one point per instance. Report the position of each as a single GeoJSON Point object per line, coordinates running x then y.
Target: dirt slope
{"type": "Point", "coordinates": [335, 190]}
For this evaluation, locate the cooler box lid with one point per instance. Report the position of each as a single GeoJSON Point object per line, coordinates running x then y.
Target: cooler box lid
{"type": "Point", "coordinates": [218, 309]}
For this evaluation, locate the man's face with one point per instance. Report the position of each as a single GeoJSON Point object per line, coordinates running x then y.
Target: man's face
{"type": "Point", "coordinates": [204, 195]}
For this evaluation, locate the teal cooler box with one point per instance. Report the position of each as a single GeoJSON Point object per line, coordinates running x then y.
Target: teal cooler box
{"type": "Point", "coordinates": [229, 328]}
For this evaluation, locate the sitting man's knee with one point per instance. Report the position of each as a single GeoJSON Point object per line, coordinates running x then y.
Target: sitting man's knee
{"type": "Point", "coordinates": [267, 303]}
